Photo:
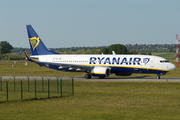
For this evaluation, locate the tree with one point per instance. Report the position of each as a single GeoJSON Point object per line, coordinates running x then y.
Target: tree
{"type": "Point", "coordinates": [118, 49]}
{"type": "Point", "coordinates": [133, 51]}
{"type": "Point", "coordinates": [104, 50]}
{"type": "Point", "coordinates": [5, 47]}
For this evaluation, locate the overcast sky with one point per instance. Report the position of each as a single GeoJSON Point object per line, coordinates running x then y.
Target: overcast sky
{"type": "Point", "coordinates": [77, 23]}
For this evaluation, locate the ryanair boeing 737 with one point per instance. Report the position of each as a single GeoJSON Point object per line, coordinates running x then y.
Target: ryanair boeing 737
{"type": "Point", "coordinates": [96, 65]}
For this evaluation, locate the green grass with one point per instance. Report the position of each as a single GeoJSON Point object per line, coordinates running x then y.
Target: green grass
{"type": "Point", "coordinates": [31, 70]}
{"type": "Point", "coordinates": [165, 55]}
{"type": "Point", "coordinates": [102, 101]}
{"type": "Point", "coordinates": [44, 90]}
{"type": "Point", "coordinates": [95, 100]}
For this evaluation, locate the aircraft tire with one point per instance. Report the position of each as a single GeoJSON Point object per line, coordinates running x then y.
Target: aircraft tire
{"type": "Point", "coordinates": [88, 76]}
{"type": "Point", "coordinates": [158, 77]}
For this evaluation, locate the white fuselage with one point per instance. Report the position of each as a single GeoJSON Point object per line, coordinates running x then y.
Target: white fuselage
{"type": "Point", "coordinates": [118, 61]}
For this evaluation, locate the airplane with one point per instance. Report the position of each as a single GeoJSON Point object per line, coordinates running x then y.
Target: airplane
{"type": "Point", "coordinates": [96, 65]}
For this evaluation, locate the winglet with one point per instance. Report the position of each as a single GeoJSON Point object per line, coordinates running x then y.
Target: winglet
{"type": "Point", "coordinates": [113, 53]}
{"type": "Point", "coordinates": [27, 56]}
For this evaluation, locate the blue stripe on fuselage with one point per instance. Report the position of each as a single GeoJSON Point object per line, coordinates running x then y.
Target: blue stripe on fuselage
{"type": "Point", "coordinates": [118, 69]}
{"type": "Point", "coordinates": [134, 70]}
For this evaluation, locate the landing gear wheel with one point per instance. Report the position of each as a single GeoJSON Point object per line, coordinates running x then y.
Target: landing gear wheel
{"type": "Point", "coordinates": [88, 76]}
{"type": "Point", "coordinates": [158, 77]}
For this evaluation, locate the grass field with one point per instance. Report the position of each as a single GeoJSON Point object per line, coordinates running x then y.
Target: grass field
{"type": "Point", "coordinates": [31, 70]}
{"type": "Point", "coordinates": [35, 90]}
{"type": "Point", "coordinates": [103, 101]}
{"type": "Point", "coordinates": [97, 100]}
{"type": "Point", "coordinates": [165, 55]}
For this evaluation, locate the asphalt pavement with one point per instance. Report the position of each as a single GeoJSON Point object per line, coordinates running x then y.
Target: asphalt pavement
{"type": "Point", "coordinates": [108, 79]}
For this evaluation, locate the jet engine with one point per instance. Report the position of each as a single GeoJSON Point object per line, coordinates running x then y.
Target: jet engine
{"type": "Point", "coordinates": [100, 71]}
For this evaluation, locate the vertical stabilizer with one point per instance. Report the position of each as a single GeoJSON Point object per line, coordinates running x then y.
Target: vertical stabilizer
{"type": "Point", "coordinates": [36, 44]}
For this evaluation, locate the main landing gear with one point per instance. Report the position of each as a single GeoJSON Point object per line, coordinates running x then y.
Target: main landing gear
{"type": "Point", "coordinates": [158, 77]}
{"type": "Point", "coordinates": [88, 76]}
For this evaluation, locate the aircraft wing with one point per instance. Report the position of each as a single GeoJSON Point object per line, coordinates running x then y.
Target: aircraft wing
{"type": "Point", "coordinates": [72, 66]}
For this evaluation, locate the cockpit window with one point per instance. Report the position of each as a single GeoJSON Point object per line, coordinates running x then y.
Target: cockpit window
{"type": "Point", "coordinates": [164, 61]}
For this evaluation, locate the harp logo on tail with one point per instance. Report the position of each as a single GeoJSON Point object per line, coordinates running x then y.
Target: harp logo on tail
{"type": "Point", "coordinates": [34, 42]}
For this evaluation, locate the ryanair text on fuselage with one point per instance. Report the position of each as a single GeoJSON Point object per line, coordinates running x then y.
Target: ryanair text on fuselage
{"type": "Point", "coordinates": [117, 60]}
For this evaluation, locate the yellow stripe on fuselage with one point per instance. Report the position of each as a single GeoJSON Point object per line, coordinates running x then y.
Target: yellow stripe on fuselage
{"type": "Point", "coordinates": [98, 73]}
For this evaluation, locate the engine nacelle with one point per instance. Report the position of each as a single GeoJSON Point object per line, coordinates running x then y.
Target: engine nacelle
{"type": "Point", "coordinates": [123, 74]}
{"type": "Point", "coordinates": [100, 71]}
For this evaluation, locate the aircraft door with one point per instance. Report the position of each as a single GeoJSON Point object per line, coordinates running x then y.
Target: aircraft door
{"type": "Point", "coordinates": [152, 61]}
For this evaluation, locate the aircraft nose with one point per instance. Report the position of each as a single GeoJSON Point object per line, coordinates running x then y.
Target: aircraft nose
{"type": "Point", "coordinates": [172, 66]}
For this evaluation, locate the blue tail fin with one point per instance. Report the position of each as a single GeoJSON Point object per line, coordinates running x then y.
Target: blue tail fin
{"type": "Point", "coordinates": [37, 46]}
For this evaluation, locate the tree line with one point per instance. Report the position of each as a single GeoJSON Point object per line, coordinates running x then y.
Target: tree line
{"type": "Point", "coordinates": [6, 47]}
{"type": "Point", "coordinates": [117, 48]}
{"type": "Point", "coordinates": [5, 50]}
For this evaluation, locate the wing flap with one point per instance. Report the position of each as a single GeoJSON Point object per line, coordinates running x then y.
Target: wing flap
{"type": "Point", "coordinates": [73, 66]}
